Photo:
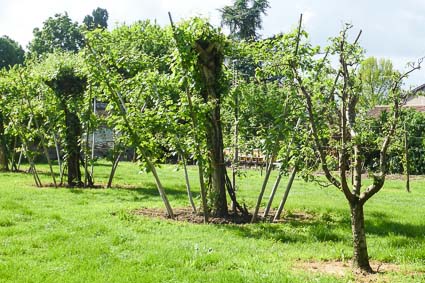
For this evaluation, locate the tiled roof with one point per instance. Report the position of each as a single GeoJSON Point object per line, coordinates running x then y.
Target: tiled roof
{"type": "Point", "coordinates": [419, 88]}
{"type": "Point", "coordinates": [377, 110]}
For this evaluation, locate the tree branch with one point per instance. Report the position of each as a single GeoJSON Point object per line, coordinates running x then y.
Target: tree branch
{"type": "Point", "coordinates": [379, 178]}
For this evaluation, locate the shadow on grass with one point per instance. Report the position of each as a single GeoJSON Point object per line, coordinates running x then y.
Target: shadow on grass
{"type": "Point", "coordinates": [151, 190]}
{"type": "Point", "coordinates": [136, 193]}
{"type": "Point", "coordinates": [381, 225]}
{"type": "Point", "coordinates": [325, 229]}
{"type": "Point", "coordinates": [290, 232]}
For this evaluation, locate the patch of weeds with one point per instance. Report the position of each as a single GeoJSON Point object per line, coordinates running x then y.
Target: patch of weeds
{"type": "Point", "coordinates": [125, 215]}
{"type": "Point", "coordinates": [56, 216]}
{"type": "Point", "coordinates": [6, 222]}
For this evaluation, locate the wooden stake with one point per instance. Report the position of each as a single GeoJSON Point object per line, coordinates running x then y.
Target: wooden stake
{"type": "Point", "coordinates": [285, 196]}
{"type": "Point", "coordinates": [186, 177]}
{"type": "Point", "coordinates": [406, 156]}
{"type": "Point", "coordinates": [263, 188]}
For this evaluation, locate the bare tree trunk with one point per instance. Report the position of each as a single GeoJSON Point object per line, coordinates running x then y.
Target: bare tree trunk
{"type": "Point", "coordinates": [360, 257]}
{"type": "Point", "coordinates": [286, 194]}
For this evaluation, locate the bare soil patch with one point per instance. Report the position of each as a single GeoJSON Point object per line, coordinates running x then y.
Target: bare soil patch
{"type": "Point", "coordinates": [342, 269]}
{"type": "Point", "coordinates": [187, 215]}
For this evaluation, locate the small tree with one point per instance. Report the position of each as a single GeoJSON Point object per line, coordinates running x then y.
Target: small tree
{"type": "Point", "coordinates": [11, 53]}
{"type": "Point", "coordinates": [337, 128]}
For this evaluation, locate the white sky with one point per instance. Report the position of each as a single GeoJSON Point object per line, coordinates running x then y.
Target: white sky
{"type": "Point", "coordinates": [392, 29]}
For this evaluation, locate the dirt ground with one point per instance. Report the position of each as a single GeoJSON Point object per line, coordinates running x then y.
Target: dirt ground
{"type": "Point", "coordinates": [187, 215]}
{"type": "Point", "coordinates": [342, 269]}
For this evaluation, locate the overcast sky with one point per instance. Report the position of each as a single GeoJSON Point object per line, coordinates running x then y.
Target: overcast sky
{"type": "Point", "coordinates": [392, 29]}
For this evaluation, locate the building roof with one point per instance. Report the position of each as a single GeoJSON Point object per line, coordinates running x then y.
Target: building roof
{"type": "Point", "coordinates": [377, 110]}
{"type": "Point", "coordinates": [419, 88]}
{"type": "Point", "coordinates": [415, 101]}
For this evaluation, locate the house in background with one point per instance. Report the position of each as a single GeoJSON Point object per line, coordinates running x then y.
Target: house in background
{"type": "Point", "coordinates": [103, 136]}
{"type": "Point", "coordinates": [415, 101]}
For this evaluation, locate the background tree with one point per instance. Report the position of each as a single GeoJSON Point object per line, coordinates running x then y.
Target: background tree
{"type": "Point", "coordinates": [97, 19]}
{"type": "Point", "coordinates": [58, 33]}
{"type": "Point", "coordinates": [11, 53]}
{"type": "Point", "coordinates": [376, 80]}
{"type": "Point", "coordinates": [243, 18]}
{"type": "Point", "coordinates": [4, 140]}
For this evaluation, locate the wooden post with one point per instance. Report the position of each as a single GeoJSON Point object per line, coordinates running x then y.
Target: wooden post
{"type": "Point", "coordinates": [406, 156]}
{"type": "Point", "coordinates": [113, 169]}
{"type": "Point", "coordinates": [263, 188]}
{"type": "Point", "coordinates": [58, 156]}
{"type": "Point", "coordinates": [285, 196]}
{"type": "Point", "coordinates": [281, 169]}
{"type": "Point", "coordinates": [235, 162]}
{"type": "Point", "coordinates": [46, 152]}
{"type": "Point", "coordinates": [186, 177]}
{"type": "Point", "coordinates": [93, 139]}
{"type": "Point", "coordinates": [272, 194]}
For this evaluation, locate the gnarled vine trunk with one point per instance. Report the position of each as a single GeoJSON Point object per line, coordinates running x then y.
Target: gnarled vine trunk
{"type": "Point", "coordinates": [69, 89]}
{"type": "Point", "coordinates": [73, 148]}
{"type": "Point", "coordinates": [210, 62]}
{"type": "Point", "coordinates": [217, 166]}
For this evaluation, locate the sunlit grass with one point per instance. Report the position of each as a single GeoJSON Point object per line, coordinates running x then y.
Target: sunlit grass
{"type": "Point", "coordinates": [90, 235]}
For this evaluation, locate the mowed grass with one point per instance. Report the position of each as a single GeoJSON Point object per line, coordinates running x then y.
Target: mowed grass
{"type": "Point", "coordinates": [91, 235]}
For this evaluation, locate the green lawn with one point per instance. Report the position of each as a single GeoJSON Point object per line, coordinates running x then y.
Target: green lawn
{"type": "Point", "coordinates": [64, 235]}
